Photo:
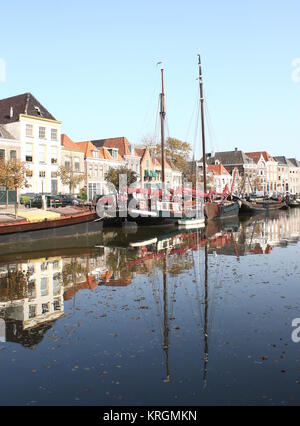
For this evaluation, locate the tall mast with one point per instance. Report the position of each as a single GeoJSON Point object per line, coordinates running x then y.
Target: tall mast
{"type": "Point", "coordinates": [202, 123]}
{"type": "Point", "coordinates": [162, 124]}
{"type": "Point", "coordinates": [166, 315]}
{"type": "Point", "coordinates": [205, 316]}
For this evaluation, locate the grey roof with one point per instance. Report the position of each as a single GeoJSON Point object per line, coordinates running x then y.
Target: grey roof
{"type": "Point", "coordinates": [230, 158]}
{"type": "Point", "coordinates": [294, 162]}
{"type": "Point", "coordinates": [4, 134]}
{"type": "Point", "coordinates": [281, 160]}
{"type": "Point", "coordinates": [22, 104]}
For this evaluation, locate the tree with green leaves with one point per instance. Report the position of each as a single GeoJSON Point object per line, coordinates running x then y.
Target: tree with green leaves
{"type": "Point", "coordinates": [112, 176]}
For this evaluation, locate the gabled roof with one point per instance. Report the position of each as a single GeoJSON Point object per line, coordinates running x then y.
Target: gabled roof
{"type": "Point", "coordinates": [230, 158]}
{"type": "Point", "coordinates": [22, 104]}
{"type": "Point", "coordinates": [4, 134]}
{"type": "Point", "coordinates": [217, 169]}
{"type": "Point", "coordinates": [294, 162]}
{"type": "Point", "coordinates": [122, 144]}
{"type": "Point", "coordinates": [88, 147]}
{"type": "Point", "coordinates": [256, 156]}
{"type": "Point", "coordinates": [140, 152]}
{"type": "Point", "coordinates": [282, 160]}
{"type": "Point", "coordinates": [66, 142]}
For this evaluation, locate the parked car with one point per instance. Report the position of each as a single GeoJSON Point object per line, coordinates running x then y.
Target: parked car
{"type": "Point", "coordinates": [51, 200]}
{"type": "Point", "coordinates": [68, 200]}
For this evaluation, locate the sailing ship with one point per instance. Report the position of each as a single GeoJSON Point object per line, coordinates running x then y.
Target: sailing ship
{"type": "Point", "coordinates": [214, 209]}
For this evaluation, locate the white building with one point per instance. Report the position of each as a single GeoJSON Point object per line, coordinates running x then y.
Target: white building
{"type": "Point", "coordinates": [39, 134]}
{"type": "Point", "coordinates": [221, 177]}
{"type": "Point", "coordinates": [98, 161]}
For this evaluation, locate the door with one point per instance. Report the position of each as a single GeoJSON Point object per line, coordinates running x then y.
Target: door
{"type": "Point", "coordinates": [53, 186]}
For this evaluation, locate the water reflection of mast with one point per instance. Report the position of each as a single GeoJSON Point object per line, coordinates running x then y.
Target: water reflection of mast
{"type": "Point", "coordinates": [166, 322]}
{"type": "Point", "coordinates": [205, 316]}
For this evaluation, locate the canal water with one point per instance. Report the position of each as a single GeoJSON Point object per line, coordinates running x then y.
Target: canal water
{"type": "Point", "coordinates": [153, 316]}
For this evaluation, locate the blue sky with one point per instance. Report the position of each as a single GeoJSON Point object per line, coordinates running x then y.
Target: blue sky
{"type": "Point", "coordinates": [93, 65]}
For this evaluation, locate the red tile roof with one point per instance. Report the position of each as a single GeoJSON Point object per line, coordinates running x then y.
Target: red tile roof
{"type": "Point", "coordinates": [69, 144]}
{"type": "Point", "coordinates": [256, 155]}
{"type": "Point", "coordinates": [122, 144]}
{"type": "Point", "coordinates": [88, 147]}
{"type": "Point", "coordinates": [217, 169]}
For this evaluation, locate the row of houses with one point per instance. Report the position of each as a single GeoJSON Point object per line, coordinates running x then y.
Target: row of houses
{"type": "Point", "coordinates": [29, 132]}
{"type": "Point", "coordinates": [253, 171]}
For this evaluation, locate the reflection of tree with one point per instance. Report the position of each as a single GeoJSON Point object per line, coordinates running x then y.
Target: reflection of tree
{"type": "Point", "coordinates": [176, 265]}
{"type": "Point", "coordinates": [72, 270]}
{"type": "Point", "coordinates": [13, 286]}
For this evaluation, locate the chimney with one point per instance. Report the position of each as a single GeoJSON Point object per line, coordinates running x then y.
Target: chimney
{"type": "Point", "coordinates": [11, 112]}
{"type": "Point", "coordinates": [236, 149]}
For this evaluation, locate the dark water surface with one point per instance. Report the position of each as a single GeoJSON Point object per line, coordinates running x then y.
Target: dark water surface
{"type": "Point", "coordinates": [153, 317]}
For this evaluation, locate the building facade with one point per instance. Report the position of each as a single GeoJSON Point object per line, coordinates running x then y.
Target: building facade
{"type": "Point", "coordinates": [72, 157]}
{"type": "Point", "coordinates": [98, 161]}
{"type": "Point", "coordinates": [38, 131]}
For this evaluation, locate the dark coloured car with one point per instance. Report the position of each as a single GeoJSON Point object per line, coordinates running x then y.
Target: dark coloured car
{"type": "Point", "coordinates": [51, 200]}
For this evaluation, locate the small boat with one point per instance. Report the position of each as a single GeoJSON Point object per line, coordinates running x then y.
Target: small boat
{"type": "Point", "coordinates": [222, 209]}
{"type": "Point", "coordinates": [293, 203]}
{"type": "Point", "coordinates": [252, 207]}
{"type": "Point", "coordinates": [25, 226]}
{"type": "Point", "coordinates": [273, 204]}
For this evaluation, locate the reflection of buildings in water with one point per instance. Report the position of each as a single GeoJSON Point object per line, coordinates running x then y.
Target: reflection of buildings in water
{"type": "Point", "coordinates": [31, 299]}
{"type": "Point", "coordinates": [265, 233]}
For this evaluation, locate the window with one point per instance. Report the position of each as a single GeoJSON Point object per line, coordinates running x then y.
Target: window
{"type": "Point", "coordinates": [95, 154]}
{"type": "Point", "coordinates": [44, 287]}
{"type": "Point", "coordinates": [54, 134]}
{"type": "Point", "coordinates": [42, 154]}
{"type": "Point", "coordinates": [77, 165]}
{"type": "Point", "coordinates": [32, 311]}
{"type": "Point", "coordinates": [28, 154]}
{"type": "Point", "coordinates": [95, 172]}
{"type": "Point", "coordinates": [67, 162]}
{"type": "Point", "coordinates": [2, 154]}
{"type": "Point", "coordinates": [42, 132]}
{"type": "Point", "coordinates": [101, 172]}
{"type": "Point", "coordinates": [31, 290]}
{"type": "Point", "coordinates": [56, 305]}
{"type": "Point", "coordinates": [56, 286]}
{"type": "Point", "coordinates": [29, 130]}
{"type": "Point", "coordinates": [53, 175]}
{"type": "Point", "coordinates": [45, 308]}
{"type": "Point", "coordinates": [90, 171]}
{"type": "Point", "coordinates": [29, 173]}
{"type": "Point", "coordinates": [42, 174]}
{"type": "Point", "coordinates": [13, 155]}
{"type": "Point", "coordinates": [53, 155]}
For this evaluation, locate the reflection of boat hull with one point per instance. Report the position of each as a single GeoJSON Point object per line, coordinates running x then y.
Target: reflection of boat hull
{"type": "Point", "coordinates": [68, 237]}
{"type": "Point", "coordinates": [215, 210]}
{"type": "Point", "coordinates": [191, 223]}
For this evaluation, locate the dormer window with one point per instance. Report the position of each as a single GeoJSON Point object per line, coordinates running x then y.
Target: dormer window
{"type": "Point", "coordinates": [114, 153]}
{"type": "Point", "coordinates": [38, 111]}
{"type": "Point", "coordinates": [95, 154]}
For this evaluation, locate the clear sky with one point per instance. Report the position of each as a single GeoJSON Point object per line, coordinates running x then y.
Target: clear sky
{"type": "Point", "coordinates": [92, 63]}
